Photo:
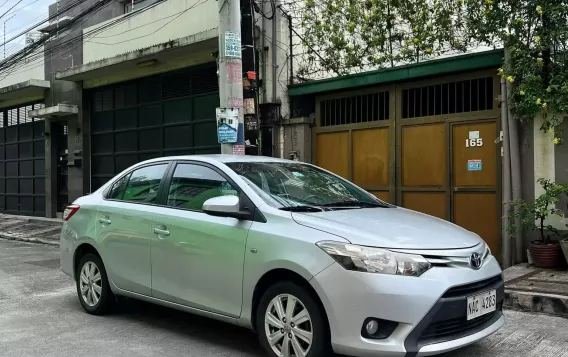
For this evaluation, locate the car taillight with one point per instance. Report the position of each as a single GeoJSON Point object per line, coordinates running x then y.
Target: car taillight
{"type": "Point", "coordinates": [70, 211]}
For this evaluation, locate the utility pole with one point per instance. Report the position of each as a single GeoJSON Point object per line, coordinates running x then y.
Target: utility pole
{"type": "Point", "coordinates": [231, 70]}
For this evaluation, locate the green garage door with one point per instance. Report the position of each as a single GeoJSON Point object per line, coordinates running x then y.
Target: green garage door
{"type": "Point", "coordinates": [168, 114]}
{"type": "Point", "coordinates": [22, 161]}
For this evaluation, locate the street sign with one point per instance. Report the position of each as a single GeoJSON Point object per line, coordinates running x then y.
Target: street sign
{"type": "Point", "coordinates": [233, 44]}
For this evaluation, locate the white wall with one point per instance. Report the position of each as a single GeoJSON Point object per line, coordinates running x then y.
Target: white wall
{"type": "Point", "coordinates": [544, 167]}
{"type": "Point", "coordinates": [168, 20]}
{"type": "Point", "coordinates": [24, 70]}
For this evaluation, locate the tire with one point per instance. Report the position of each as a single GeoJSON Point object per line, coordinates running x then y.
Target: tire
{"type": "Point", "coordinates": [92, 305]}
{"type": "Point", "coordinates": [295, 333]}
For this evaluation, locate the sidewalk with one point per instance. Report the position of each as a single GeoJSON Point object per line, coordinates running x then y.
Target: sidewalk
{"type": "Point", "coordinates": [30, 229]}
{"type": "Point", "coordinates": [531, 289]}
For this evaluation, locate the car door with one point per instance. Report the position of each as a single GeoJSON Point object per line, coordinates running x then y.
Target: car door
{"type": "Point", "coordinates": [197, 259]}
{"type": "Point", "coordinates": [125, 227]}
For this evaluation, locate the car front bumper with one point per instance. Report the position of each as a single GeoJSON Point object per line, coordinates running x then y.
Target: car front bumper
{"type": "Point", "coordinates": [430, 310]}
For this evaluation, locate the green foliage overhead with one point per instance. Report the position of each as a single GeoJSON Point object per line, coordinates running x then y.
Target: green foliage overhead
{"type": "Point", "coordinates": [347, 36]}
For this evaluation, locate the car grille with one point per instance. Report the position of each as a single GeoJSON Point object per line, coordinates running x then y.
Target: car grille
{"type": "Point", "coordinates": [473, 288]}
{"type": "Point", "coordinates": [444, 330]}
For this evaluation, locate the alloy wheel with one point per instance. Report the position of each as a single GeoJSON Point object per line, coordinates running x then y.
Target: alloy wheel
{"type": "Point", "coordinates": [90, 284]}
{"type": "Point", "coordinates": [288, 326]}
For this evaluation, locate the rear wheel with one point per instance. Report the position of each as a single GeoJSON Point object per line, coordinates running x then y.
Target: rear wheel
{"type": "Point", "coordinates": [291, 324]}
{"type": "Point", "coordinates": [92, 285]}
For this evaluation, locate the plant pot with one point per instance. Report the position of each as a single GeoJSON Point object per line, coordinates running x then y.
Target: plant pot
{"type": "Point", "coordinates": [546, 256]}
{"type": "Point", "coordinates": [564, 246]}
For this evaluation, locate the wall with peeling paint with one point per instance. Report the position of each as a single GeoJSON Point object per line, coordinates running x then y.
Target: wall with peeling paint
{"type": "Point", "coordinates": [154, 25]}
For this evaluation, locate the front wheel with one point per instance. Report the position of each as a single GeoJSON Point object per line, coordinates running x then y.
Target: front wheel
{"type": "Point", "coordinates": [291, 324]}
{"type": "Point", "coordinates": [92, 285]}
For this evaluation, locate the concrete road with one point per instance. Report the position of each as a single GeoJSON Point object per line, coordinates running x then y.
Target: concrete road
{"type": "Point", "coordinates": [41, 316]}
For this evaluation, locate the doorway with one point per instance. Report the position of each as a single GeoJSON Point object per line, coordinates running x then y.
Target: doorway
{"type": "Point", "coordinates": [60, 133]}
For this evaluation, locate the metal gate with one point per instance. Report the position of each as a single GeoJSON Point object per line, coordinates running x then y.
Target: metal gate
{"type": "Point", "coordinates": [408, 143]}
{"type": "Point", "coordinates": [22, 161]}
{"type": "Point", "coordinates": [168, 114]}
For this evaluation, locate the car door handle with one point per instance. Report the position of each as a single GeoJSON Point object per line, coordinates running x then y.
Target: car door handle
{"type": "Point", "coordinates": [105, 221]}
{"type": "Point", "coordinates": [161, 232]}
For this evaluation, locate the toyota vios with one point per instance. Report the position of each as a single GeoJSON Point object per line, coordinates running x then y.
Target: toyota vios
{"type": "Point", "coordinates": [306, 259]}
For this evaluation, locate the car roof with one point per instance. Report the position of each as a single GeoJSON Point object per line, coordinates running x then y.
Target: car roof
{"type": "Point", "coordinates": [222, 158]}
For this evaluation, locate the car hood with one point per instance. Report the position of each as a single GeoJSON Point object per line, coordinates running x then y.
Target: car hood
{"type": "Point", "coordinates": [395, 228]}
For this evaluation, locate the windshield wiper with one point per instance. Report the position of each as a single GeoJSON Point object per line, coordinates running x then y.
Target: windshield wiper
{"type": "Point", "coordinates": [354, 204]}
{"type": "Point", "coordinates": [302, 208]}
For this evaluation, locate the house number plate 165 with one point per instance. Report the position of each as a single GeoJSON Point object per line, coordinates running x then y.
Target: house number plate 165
{"type": "Point", "coordinates": [471, 143]}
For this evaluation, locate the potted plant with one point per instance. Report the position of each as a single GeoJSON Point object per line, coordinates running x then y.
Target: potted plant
{"type": "Point", "coordinates": [545, 252]}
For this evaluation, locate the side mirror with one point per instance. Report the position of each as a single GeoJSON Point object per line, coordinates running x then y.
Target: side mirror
{"type": "Point", "coordinates": [225, 206]}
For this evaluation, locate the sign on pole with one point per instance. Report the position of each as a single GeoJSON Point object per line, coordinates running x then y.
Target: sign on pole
{"type": "Point", "coordinates": [227, 125]}
{"type": "Point", "coordinates": [232, 44]}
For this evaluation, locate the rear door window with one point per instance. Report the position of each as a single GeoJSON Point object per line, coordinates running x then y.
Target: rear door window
{"type": "Point", "coordinates": [144, 183]}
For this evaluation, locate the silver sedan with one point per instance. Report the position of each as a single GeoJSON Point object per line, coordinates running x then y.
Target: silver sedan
{"type": "Point", "coordinates": [308, 260]}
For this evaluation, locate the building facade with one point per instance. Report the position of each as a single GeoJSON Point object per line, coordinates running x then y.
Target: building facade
{"type": "Point", "coordinates": [118, 82]}
{"type": "Point", "coordinates": [426, 137]}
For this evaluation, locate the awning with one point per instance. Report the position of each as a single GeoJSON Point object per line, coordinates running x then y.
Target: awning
{"type": "Point", "coordinates": [55, 24]}
{"type": "Point", "coordinates": [59, 110]}
{"type": "Point", "coordinates": [186, 51]}
{"type": "Point", "coordinates": [23, 92]}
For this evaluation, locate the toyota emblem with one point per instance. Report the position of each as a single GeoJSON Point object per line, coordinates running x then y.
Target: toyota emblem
{"type": "Point", "coordinates": [476, 261]}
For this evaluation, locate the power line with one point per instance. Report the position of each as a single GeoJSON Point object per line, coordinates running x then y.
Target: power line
{"type": "Point", "coordinates": [89, 35]}
{"type": "Point", "coordinates": [4, 3]}
{"type": "Point", "coordinates": [71, 6]}
{"type": "Point", "coordinates": [13, 6]}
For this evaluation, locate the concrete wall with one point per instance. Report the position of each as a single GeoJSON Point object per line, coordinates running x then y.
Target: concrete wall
{"type": "Point", "coordinates": [31, 69]}
{"type": "Point", "coordinates": [550, 162]}
{"type": "Point", "coordinates": [154, 25]}
{"type": "Point", "coordinates": [71, 54]}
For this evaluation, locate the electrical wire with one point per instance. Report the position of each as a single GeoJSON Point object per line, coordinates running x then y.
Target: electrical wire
{"type": "Point", "coordinates": [71, 6]}
{"type": "Point", "coordinates": [4, 3]}
{"type": "Point", "coordinates": [94, 32]}
{"type": "Point", "coordinates": [261, 12]}
{"type": "Point", "coordinates": [12, 60]}
{"type": "Point", "coordinates": [13, 6]}
{"type": "Point", "coordinates": [79, 37]}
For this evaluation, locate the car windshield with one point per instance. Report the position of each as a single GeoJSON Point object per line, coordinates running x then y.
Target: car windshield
{"type": "Point", "coordinates": [293, 185]}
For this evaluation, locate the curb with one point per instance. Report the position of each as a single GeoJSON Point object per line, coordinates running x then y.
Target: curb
{"type": "Point", "coordinates": [550, 304]}
{"type": "Point", "coordinates": [30, 240]}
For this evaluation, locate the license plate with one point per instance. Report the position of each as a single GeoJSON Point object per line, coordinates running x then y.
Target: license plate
{"type": "Point", "coordinates": [481, 304]}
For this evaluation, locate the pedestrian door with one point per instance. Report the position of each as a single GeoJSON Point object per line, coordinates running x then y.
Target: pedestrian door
{"type": "Point", "coordinates": [475, 201]}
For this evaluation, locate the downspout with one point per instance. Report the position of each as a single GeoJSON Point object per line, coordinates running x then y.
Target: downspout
{"type": "Point", "coordinates": [280, 130]}
{"type": "Point", "coordinates": [273, 52]}
{"type": "Point", "coordinates": [515, 170]}
{"type": "Point", "coordinates": [263, 45]}
{"type": "Point", "coordinates": [506, 246]}
{"type": "Point", "coordinates": [290, 102]}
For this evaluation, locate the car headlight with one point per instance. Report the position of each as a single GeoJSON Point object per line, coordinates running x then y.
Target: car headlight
{"type": "Point", "coordinates": [375, 260]}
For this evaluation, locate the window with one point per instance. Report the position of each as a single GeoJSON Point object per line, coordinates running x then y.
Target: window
{"type": "Point", "coordinates": [448, 98]}
{"type": "Point", "coordinates": [356, 109]}
{"type": "Point", "coordinates": [117, 190]}
{"type": "Point", "coordinates": [144, 183]}
{"type": "Point", "coordinates": [192, 185]}
{"type": "Point", "coordinates": [294, 184]}
{"type": "Point", "coordinates": [138, 5]}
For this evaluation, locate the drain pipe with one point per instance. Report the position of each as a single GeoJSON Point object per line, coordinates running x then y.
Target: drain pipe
{"type": "Point", "coordinates": [273, 53]}
{"type": "Point", "coordinates": [506, 246]}
{"type": "Point", "coordinates": [515, 170]}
